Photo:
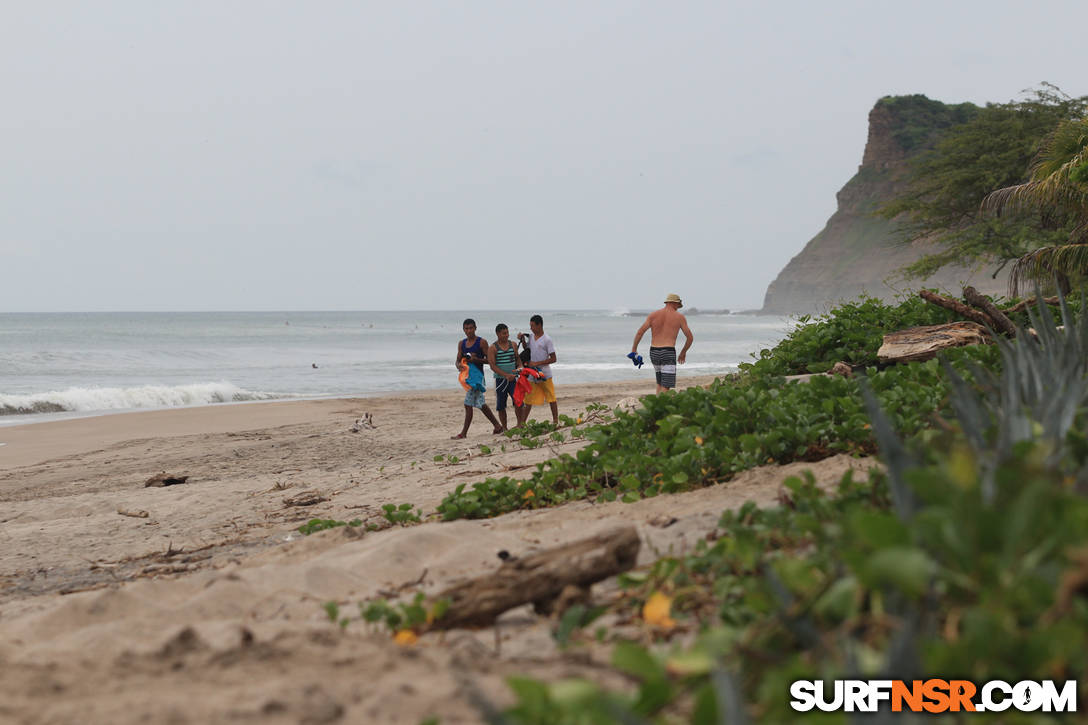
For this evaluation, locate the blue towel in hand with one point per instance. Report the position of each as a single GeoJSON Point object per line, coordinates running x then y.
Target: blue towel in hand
{"type": "Point", "coordinates": [475, 378]}
{"type": "Point", "coordinates": [636, 359]}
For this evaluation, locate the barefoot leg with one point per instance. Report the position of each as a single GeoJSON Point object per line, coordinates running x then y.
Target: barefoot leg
{"type": "Point", "coordinates": [491, 417]}
{"type": "Point", "coordinates": [468, 422]}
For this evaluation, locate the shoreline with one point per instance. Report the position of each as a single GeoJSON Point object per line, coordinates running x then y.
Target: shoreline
{"type": "Point", "coordinates": [23, 419]}
{"type": "Point", "coordinates": [15, 420]}
{"type": "Point", "coordinates": [30, 442]}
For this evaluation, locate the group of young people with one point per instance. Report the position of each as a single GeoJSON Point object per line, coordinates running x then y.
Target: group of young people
{"type": "Point", "coordinates": [524, 378]}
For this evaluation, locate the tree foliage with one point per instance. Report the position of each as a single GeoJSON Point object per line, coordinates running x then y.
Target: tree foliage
{"type": "Point", "coordinates": [993, 149]}
{"type": "Point", "coordinates": [1057, 189]}
{"type": "Point", "coordinates": [920, 118]}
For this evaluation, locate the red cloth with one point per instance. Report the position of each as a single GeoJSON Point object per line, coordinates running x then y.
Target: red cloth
{"type": "Point", "coordinates": [524, 384]}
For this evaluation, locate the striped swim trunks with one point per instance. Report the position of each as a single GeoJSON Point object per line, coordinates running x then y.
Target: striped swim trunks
{"type": "Point", "coordinates": [664, 361]}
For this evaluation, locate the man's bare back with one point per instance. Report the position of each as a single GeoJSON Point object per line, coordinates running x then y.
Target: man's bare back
{"type": "Point", "coordinates": [665, 324]}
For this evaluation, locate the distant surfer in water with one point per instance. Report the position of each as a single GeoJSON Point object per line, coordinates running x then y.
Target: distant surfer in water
{"type": "Point", "coordinates": [472, 355]}
{"type": "Point", "coordinates": [664, 325]}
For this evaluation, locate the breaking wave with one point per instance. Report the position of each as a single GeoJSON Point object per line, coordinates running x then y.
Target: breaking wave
{"type": "Point", "coordinates": [142, 396]}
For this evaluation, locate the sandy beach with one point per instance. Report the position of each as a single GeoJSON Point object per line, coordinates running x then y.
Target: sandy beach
{"type": "Point", "coordinates": [202, 603]}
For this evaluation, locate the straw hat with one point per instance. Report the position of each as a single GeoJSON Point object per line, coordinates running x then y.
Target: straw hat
{"type": "Point", "coordinates": [674, 298]}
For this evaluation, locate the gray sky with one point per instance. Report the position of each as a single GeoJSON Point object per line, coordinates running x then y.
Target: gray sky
{"type": "Point", "coordinates": [460, 155]}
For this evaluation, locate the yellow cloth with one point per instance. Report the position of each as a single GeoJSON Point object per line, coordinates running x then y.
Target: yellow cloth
{"type": "Point", "coordinates": [542, 392]}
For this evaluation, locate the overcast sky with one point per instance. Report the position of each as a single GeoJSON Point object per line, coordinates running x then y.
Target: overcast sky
{"type": "Point", "coordinates": [460, 155]}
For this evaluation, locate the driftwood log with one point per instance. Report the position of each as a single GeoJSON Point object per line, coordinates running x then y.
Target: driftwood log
{"type": "Point", "coordinates": [539, 578]}
{"type": "Point", "coordinates": [958, 307]}
{"type": "Point", "coordinates": [922, 343]}
{"type": "Point", "coordinates": [1001, 322]}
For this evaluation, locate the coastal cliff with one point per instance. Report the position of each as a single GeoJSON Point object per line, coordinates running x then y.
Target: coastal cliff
{"type": "Point", "coordinates": [857, 252]}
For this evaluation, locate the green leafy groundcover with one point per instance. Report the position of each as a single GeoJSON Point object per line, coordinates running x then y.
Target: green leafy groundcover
{"type": "Point", "coordinates": [698, 437]}
{"type": "Point", "coordinates": [838, 586]}
{"type": "Point", "coordinates": [851, 333]}
{"type": "Point", "coordinates": [967, 558]}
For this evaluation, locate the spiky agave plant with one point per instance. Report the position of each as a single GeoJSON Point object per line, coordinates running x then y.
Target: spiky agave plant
{"type": "Point", "coordinates": [1058, 188]}
{"type": "Point", "coordinates": [1034, 399]}
{"type": "Point", "coordinates": [1043, 383]}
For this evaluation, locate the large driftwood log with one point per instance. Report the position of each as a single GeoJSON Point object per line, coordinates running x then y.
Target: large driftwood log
{"type": "Point", "coordinates": [922, 343]}
{"type": "Point", "coordinates": [956, 306]}
{"type": "Point", "coordinates": [1004, 324]}
{"type": "Point", "coordinates": [538, 578]}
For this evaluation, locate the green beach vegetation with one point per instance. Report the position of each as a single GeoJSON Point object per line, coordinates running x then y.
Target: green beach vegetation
{"type": "Point", "coordinates": [698, 437]}
{"type": "Point", "coordinates": [962, 557]}
{"type": "Point", "coordinates": [963, 554]}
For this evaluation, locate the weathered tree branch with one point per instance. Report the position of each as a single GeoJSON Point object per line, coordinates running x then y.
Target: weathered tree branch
{"type": "Point", "coordinates": [956, 306]}
{"type": "Point", "coordinates": [1028, 302]}
{"type": "Point", "coordinates": [1002, 322]}
{"type": "Point", "coordinates": [538, 578]}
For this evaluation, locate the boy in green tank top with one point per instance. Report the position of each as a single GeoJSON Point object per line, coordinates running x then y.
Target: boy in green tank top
{"type": "Point", "coordinates": [504, 362]}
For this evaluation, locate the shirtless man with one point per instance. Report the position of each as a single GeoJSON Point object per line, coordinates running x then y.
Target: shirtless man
{"type": "Point", "coordinates": [664, 325]}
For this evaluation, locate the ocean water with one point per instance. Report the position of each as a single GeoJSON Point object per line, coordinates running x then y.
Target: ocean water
{"type": "Point", "coordinates": [64, 364]}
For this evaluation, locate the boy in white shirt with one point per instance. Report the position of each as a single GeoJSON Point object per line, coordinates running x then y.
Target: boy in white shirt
{"type": "Point", "coordinates": [541, 356]}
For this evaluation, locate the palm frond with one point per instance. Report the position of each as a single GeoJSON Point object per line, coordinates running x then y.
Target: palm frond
{"type": "Point", "coordinates": [1053, 192]}
{"type": "Point", "coordinates": [1041, 265]}
{"type": "Point", "coordinates": [1079, 234]}
{"type": "Point", "coordinates": [1049, 186]}
{"type": "Point", "coordinates": [1008, 199]}
{"type": "Point", "coordinates": [1067, 142]}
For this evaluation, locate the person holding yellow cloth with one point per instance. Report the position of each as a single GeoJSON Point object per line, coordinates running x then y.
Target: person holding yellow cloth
{"type": "Point", "coordinates": [541, 356]}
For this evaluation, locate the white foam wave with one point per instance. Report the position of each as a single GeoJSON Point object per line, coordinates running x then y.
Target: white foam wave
{"type": "Point", "coordinates": [142, 396]}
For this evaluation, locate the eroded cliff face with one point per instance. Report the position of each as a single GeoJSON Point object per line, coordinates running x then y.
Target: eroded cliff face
{"type": "Point", "coordinates": [859, 253]}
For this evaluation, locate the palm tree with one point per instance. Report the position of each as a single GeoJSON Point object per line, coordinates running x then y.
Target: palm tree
{"type": "Point", "coordinates": [1058, 188]}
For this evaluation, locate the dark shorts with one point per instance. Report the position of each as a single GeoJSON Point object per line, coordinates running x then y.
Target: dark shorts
{"type": "Point", "coordinates": [664, 361]}
{"type": "Point", "coordinates": [504, 389]}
